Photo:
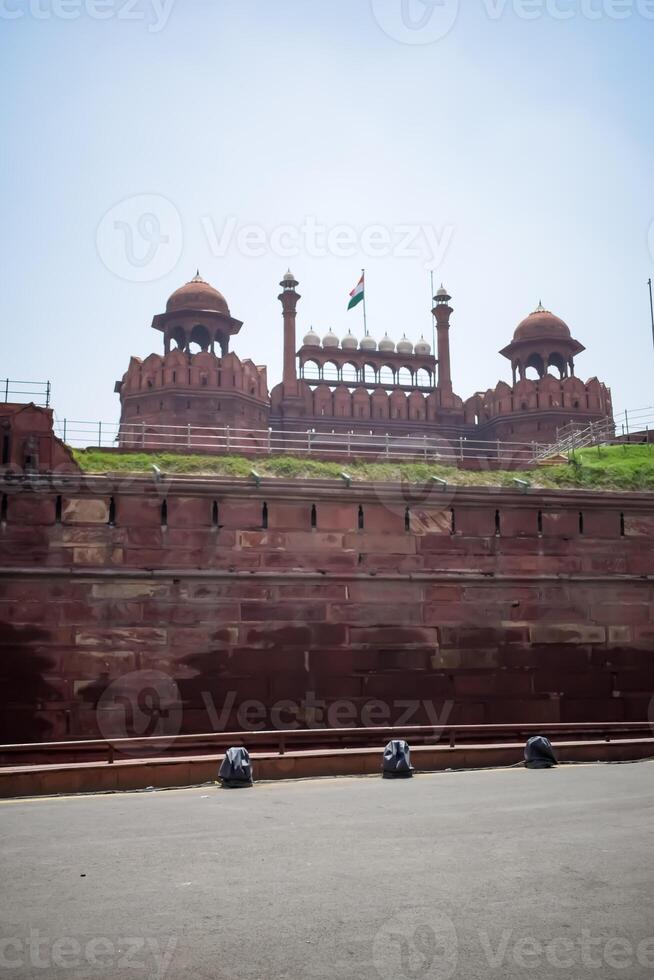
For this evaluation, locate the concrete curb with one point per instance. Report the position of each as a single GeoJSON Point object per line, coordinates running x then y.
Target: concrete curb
{"type": "Point", "coordinates": [162, 773]}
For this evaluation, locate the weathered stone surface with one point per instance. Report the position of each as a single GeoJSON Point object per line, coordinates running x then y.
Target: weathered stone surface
{"type": "Point", "coordinates": [520, 626]}
{"type": "Point", "coordinates": [81, 510]}
{"type": "Point", "coordinates": [567, 633]}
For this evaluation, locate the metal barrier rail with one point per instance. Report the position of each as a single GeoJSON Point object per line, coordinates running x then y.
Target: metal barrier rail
{"type": "Point", "coordinates": [38, 392]}
{"type": "Point", "coordinates": [319, 738]}
{"type": "Point", "coordinates": [226, 440]}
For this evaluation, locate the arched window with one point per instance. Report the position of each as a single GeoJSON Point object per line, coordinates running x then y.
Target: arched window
{"type": "Point", "coordinates": [536, 366]}
{"type": "Point", "coordinates": [311, 370]}
{"type": "Point", "coordinates": [199, 338]}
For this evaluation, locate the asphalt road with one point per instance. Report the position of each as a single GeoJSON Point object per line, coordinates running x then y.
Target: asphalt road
{"type": "Point", "coordinates": [469, 875]}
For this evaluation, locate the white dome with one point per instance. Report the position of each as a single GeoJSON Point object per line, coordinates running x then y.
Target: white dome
{"type": "Point", "coordinates": [368, 343]}
{"type": "Point", "coordinates": [386, 344]}
{"type": "Point", "coordinates": [349, 342]}
{"type": "Point", "coordinates": [330, 339]}
{"type": "Point", "coordinates": [405, 346]}
{"type": "Point", "coordinates": [311, 339]}
{"type": "Point", "coordinates": [422, 347]}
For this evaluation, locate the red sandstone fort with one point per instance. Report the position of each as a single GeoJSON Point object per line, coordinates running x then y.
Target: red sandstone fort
{"type": "Point", "coordinates": [490, 604]}
{"type": "Point", "coordinates": [384, 387]}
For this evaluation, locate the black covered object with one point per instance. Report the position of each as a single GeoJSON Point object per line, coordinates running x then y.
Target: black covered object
{"type": "Point", "coordinates": [236, 768]}
{"type": "Point", "coordinates": [539, 753]}
{"type": "Point", "coordinates": [397, 760]}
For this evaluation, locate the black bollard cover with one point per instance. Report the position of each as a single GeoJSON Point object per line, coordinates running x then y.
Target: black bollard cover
{"type": "Point", "coordinates": [236, 768]}
{"type": "Point", "coordinates": [539, 753]}
{"type": "Point", "coordinates": [397, 760]}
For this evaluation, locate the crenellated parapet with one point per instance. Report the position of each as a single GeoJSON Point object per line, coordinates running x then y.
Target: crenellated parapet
{"type": "Point", "coordinates": [537, 407]}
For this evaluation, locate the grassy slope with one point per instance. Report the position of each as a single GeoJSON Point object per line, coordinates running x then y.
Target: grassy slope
{"type": "Point", "coordinates": [613, 467]}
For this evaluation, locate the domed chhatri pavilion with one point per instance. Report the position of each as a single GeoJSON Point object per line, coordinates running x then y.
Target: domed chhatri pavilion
{"type": "Point", "coordinates": [342, 385]}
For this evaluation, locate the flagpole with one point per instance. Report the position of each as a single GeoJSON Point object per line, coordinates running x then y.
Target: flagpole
{"type": "Point", "coordinates": [651, 305]}
{"type": "Point", "coordinates": [433, 319]}
{"type": "Point", "coordinates": [365, 321]}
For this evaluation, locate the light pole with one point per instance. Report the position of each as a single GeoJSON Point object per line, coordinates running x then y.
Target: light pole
{"type": "Point", "coordinates": [651, 306]}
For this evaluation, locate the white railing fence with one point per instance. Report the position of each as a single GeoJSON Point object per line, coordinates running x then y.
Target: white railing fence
{"type": "Point", "coordinates": [227, 440]}
{"type": "Point", "coordinates": [449, 447]}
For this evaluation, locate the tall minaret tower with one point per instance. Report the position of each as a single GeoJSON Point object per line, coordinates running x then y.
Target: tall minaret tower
{"type": "Point", "coordinates": [291, 400]}
{"type": "Point", "coordinates": [443, 311]}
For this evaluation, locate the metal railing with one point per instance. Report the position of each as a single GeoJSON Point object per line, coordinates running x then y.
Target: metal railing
{"type": "Point", "coordinates": [629, 426]}
{"type": "Point", "coordinates": [38, 392]}
{"type": "Point", "coordinates": [226, 440]}
{"type": "Point", "coordinates": [289, 740]}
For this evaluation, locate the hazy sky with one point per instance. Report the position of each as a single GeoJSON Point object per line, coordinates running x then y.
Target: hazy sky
{"type": "Point", "coordinates": [509, 145]}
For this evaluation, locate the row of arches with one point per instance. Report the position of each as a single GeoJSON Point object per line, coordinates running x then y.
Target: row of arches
{"type": "Point", "coordinates": [538, 364]}
{"type": "Point", "coordinates": [196, 338]}
{"type": "Point", "coordinates": [385, 375]}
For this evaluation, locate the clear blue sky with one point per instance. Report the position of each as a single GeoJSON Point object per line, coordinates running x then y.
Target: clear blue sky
{"type": "Point", "coordinates": [527, 143]}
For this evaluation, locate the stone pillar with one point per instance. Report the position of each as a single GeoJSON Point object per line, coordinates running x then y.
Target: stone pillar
{"type": "Point", "coordinates": [289, 300]}
{"type": "Point", "coordinates": [443, 311]}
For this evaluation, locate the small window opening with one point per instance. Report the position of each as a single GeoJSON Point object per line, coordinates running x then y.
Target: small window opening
{"type": "Point", "coordinates": [498, 526]}
{"type": "Point", "coordinates": [361, 518]}
{"type": "Point", "coordinates": [264, 516]}
{"type": "Point", "coordinates": [214, 513]}
{"type": "Point", "coordinates": [58, 509]}
{"type": "Point", "coordinates": [164, 513]}
{"type": "Point", "coordinates": [112, 511]}
{"type": "Point", "coordinates": [314, 516]}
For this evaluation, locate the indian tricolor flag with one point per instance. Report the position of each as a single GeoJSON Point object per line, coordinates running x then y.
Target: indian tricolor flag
{"type": "Point", "coordinates": [356, 295]}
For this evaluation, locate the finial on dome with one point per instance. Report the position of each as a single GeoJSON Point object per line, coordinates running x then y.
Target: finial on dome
{"type": "Point", "coordinates": [540, 308]}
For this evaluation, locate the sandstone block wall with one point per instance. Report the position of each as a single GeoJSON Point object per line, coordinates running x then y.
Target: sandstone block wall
{"type": "Point", "coordinates": [314, 603]}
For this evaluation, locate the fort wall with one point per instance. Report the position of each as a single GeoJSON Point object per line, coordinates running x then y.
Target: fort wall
{"type": "Point", "coordinates": [479, 605]}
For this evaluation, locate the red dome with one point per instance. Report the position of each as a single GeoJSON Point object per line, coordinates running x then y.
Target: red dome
{"type": "Point", "coordinates": [541, 324]}
{"type": "Point", "coordinates": [197, 295]}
